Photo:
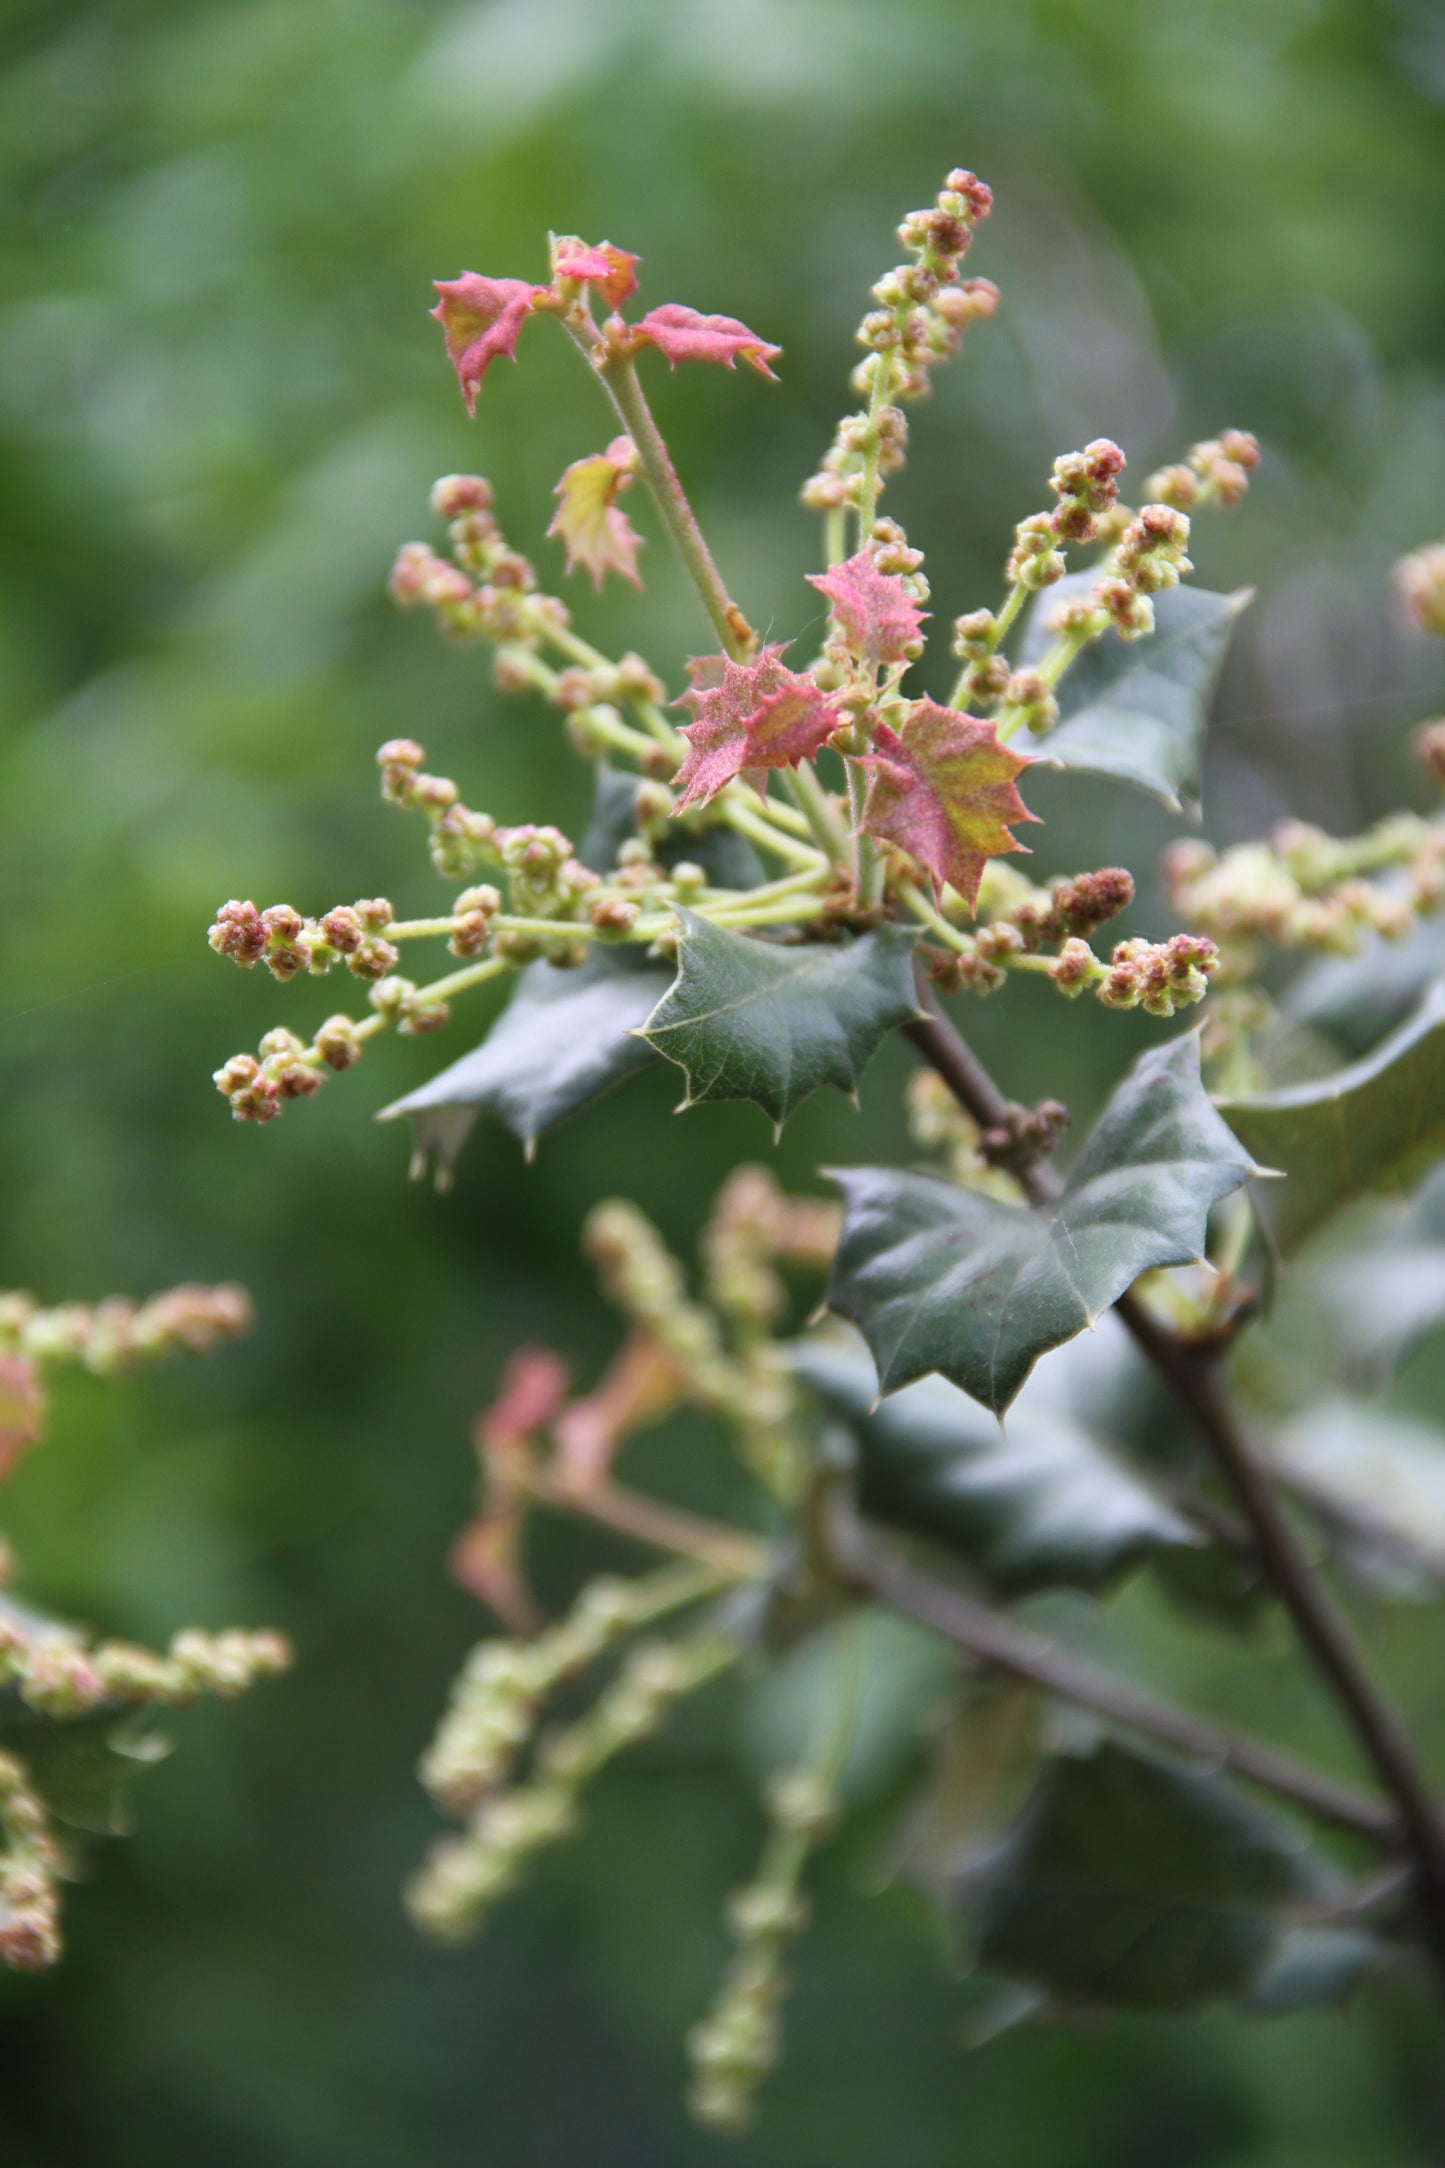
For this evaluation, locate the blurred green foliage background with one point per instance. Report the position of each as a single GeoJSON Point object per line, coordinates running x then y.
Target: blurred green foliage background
{"type": "Point", "coordinates": [221, 406]}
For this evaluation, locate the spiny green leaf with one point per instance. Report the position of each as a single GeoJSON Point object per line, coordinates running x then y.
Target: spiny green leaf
{"type": "Point", "coordinates": [942, 1278]}
{"type": "Point", "coordinates": [1133, 1884]}
{"type": "Point", "coordinates": [1371, 1126]}
{"type": "Point", "coordinates": [563, 1039]}
{"type": "Point", "coordinates": [1047, 1506]}
{"type": "Point", "coordinates": [750, 1019]}
{"type": "Point", "coordinates": [1137, 710]}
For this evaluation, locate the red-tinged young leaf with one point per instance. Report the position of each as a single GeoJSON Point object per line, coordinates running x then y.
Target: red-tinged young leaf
{"type": "Point", "coordinates": [611, 270]}
{"type": "Point", "coordinates": [588, 524]}
{"type": "Point", "coordinates": [749, 717]}
{"type": "Point", "coordinates": [533, 1388]}
{"type": "Point", "coordinates": [879, 619]}
{"type": "Point", "coordinates": [22, 1410]}
{"type": "Point", "coordinates": [943, 787]}
{"type": "Point", "coordinates": [640, 1386]}
{"type": "Point", "coordinates": [684, 335]}
{"type": "Point", "coordinates": [480, 319]}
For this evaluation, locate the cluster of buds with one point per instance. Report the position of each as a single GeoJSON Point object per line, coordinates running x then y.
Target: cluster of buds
{"type": "Point", "coordinates": [1159, 977]}
{"type": "Point", "coordinates": [464, 1876]}
{"type": "Point", "coordinates": [1071, 908]}
{"type": "Point", "coordinates": [109, 1336]}
{"type": "Point", "coordinates": [737, 2045]}
{"type": "Point", "coordinates": [1215, 472]}
{"type": "Point", "coordinates": [922, 310]}
{"type": "Point", "coordinates": [58, 1676]}
{"type": "Point", "coordinates": [29, 1869]}
{"type": "Point", "coordinates": [287, 943]}
{"type": "Point", "coordinates": [1086, 485]}
{"type": "Point", "coordinates": [498, 1697]}
{"type": "Point", "coordinates": [1149, 556]}
{"type": "Point", "coordinates": [1430, 750]}
{"type": "Point", "coordinates": [485, 586]}
{"type": "Point", "coordinates": [257, 1086]}
{"type": "Point", "coordinates": [1305, 889]}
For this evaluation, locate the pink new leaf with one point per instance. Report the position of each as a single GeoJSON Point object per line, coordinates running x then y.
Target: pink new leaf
{"type": "Point", "coordinates": [879, 619]}
{"type": "Point", "coordinates": [594, 533]}
{"type": "Point", "coordinates": [611, 270]}
{"type": "Point", "coordinates": [480, 319]}
{"type": "Point", "coordinates": [943, 788]}
{"type": "Point", "coordinates": [749, 717]}
{"type": "Point", "coordinates": [683, 335]}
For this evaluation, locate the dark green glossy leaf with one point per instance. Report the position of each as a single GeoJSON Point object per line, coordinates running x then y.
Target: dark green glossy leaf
{"type": "Point", "coordinates": [1137, 710]}
{"type": "Point", "coordinates": [941, 1278]}
{"type": "Point", "coordinates": [1132, 1884]}
{"type": "Point", "coordinates": [563, 1039]}
{"type": "Point", "coordinates": [1368, 1127]}
{"type": "Point", "coordinates": [1048, 1505]}
{"type": "Point", "coordinates": [759, 1020]}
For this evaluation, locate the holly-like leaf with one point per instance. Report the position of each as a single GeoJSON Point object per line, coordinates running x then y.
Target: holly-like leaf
{"type": "Point", "coordinates": [879, 618]}
{"type": "Point", "coordinates": [1128, 1883]}
{"type": "Point", "coordinates": [564, 1038]}
{"type": "Point", "coordinates": [594, 533]}
{"type": "Point", "coordinates": [942, 1278]}
{"type": "Point", "coordinates": [943, 788]}
{"type": "Point", "coordinates": [748, 717]}
{"type": "Point", "coordinates": [684, 335]}
{"type": "Point", "coordinates": [751, 1019]}
{"type": "Point", "coordinates": [482, 318]}
{"type": "Point", "coordinates": [1137, 710]}
{"type": "Point", "coordinates": [611, 270]}
{"type": "Point", "coordinates": [1048, 1506]}
{"type": "Point", "coordinates": [1371, 1126]}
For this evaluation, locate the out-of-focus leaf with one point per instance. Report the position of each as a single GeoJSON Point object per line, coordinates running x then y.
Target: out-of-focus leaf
{"type": "Point", "coordinates": [1137, 710]}
{"type": "Point", "coordinates": [1387, 1289]}
{"type": "Point", "coordinates": [84, 1769]}
{"type": "Point", "coordinates": [1355, 1000]}
{"type": "Point", "coordinates": [750, 1019]}
{"type": "Point", "coordinates": [1370, 1126]}
{"type": "Point", "coordinates": [1132, 1884]}
{"type": "Point", "coordinates": [1379, 1471]}
{"type": "Point", "coordinates": [942, 1278]}
{"type": "Point", "coordinates": [563, 1039]}
{"type": "Point", "coordinates": [904, 1678]}
{"type": "Point", "coordinates": [1048, 1505]}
